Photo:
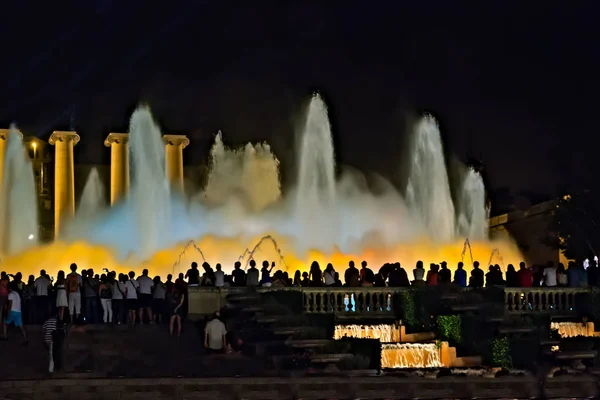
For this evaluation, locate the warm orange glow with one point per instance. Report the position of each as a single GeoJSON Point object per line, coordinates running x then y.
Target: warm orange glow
{"type": "Point", "coordinates": [58, 256]}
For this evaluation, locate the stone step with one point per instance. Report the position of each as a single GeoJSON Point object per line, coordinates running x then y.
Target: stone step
{"type": "Point", "coordinates": [308, 343]}
{"type": "Point", "coordinates": [244, 298]}
{"type": "Point", "coordinates": [296, 330]}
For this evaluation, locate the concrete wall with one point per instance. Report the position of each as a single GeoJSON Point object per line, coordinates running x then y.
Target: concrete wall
{"type": "Point", "coordinates": [339, 387]}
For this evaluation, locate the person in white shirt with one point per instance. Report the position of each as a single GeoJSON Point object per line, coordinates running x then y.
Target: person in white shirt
{"type": "Point", "coordinates": [42, 301]}
{"type": "Point", "coordinates": [159, 294]}
{"type": "Point", "coordinates": [550, 275]}
{"type": "Point", "coordinates": [14, 314]}
{"type": "Point", "coordinates": [118, 298]}
{"type": "Point", "coordinates": [219, 276]}
{"type": "Point", "coordinates": [145, 285]}
{"type": "Point", "coordinates": [214, 335]}
{"type": "Point", "coordinates": [131, 287]}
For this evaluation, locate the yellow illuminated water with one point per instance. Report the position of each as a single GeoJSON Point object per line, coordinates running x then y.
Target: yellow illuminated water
{"type": "Point", "coordinates": [59, 255]}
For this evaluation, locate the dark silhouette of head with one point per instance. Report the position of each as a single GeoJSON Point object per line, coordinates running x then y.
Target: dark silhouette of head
{"type": "Point", "coordinates": [351, 264]}
{"type": "Point", "coordinates": [237, 265]}
{"type": "Point", "coordinates": [145, 272]}
{"type": "Point", "coordinates": [73, 267]}
{"type": "Point", "coordinates": [218, 267]}
{"type": "Point", "coordinates": [521, 265]}
{"type": "Point", "coordinates": [460, 265]}
{"type": "Point", "coordinates": [364, 264]}
{"type": "Point", "coordinates": [252, 263]}
{"type": "Point", "coordinates": [476, 265]}
{"type": "Point", "coordinates": [194, 265]}
{"type": "Point", "coordinates": [131, 274]}
{"type": "Point", "coordinates": [265, 264]}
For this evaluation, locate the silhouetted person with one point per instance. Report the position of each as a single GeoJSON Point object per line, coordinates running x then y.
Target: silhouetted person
{"type": "Point", "coordinates": [460, 275]}
{"type": "Point", "coordinates": [305, 280]}
{"type": "Point", "coordinates": [592, 274]}
{"type": "Point", "coordinates": [366, 274]}
{"type": "Point", "coordinates": [444, 276]}
{"type": "Point", "coordinates": [297, 279]}
{"type": "Point", "coordinates": [193, 274]}
{"type": "Point", "coordinates": [208, 278]}
{"type": "Point", "coordinates": [329, 275]}
{"type": "Point", "coordinates": [525, 276]}
{"type": "Point", "coordinates": [252, 275]}
{"type": "Point", "coordinates": [512, 278]}
{"type": "Point", "coordinates": [239, 276]}
{"type": "Point", "coordinates": [315, 275]}
{"type": "Point", "coordinates": [351, 275]}
{"type": "Point", "coordinates": [561, 275]}
{"type": "Point", "coordinates": [476, 276]}
{"type": "Point", "coordinates": [549, 275]}
{"type": "Point", "coordinates": [433, 275]}
{"type": "Point", "coordinates": [265, 273]}
{"type": "Point", "coordinates": [419, 274]}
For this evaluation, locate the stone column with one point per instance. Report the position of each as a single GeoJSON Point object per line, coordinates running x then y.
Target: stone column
{"type": "Point", "coordinates": [174, 145]}
{"type": "Point", "coordinates": [64, 176]}
{"type": "Point", "coordinates": [119, 165]}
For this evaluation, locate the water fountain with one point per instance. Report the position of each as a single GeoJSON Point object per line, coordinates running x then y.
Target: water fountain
{"type": "Point", "coordinates": [384, 332]}
{"type": "Point", "coordinates": [410, 355]}
{"type": "Point", "coordinates": [250, 253]}
{"type": "Point", "coordinates": [190, 244]}
{"type": "Point", "coordinates": [320, 219]}
{"type": "Point", "coordinates": [92, 197]}
{"type": "Point", "coordinates": [428, 189]}
{"type": "Point", "coordinates": [466, 245]}
{"type": "Point", "coordinates": [472, 211]}
{"type": "Point", "coordinates": [18, 199]}
{"type": "Point", "coordinates": [251, 173]}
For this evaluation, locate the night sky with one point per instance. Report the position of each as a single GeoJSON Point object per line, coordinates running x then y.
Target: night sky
{"type": "Point", "coordinates": [513, 84]}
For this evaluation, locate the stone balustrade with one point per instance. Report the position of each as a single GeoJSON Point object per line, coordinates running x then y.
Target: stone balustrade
{"type": "Point", "coordinates": [379, 302]}
{"type": "Point", "coordinates": [542, 299]}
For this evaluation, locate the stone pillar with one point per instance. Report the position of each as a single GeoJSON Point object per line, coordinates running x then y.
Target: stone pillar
{"type": "Point", "coordinates": [64, 176]}
{"type": "Point", "coordinates": [119, 165]}
{"type": "Point", "coordinates": [174, 145]}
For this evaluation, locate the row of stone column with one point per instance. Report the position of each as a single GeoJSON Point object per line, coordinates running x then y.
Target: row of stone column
{"type": "Point", "coordinates": [64, 169]}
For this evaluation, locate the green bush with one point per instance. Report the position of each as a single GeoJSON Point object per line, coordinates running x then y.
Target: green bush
{"type": "Point", "coordinates": [450, 328]}
{"type": "Point", "coordinates": [409, 308]}
{"type": "Point", "coordinates": [500, 352]}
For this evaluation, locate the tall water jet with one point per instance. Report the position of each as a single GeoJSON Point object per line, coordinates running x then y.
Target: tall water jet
{"type": "Point", "coordinates": [315, 197]}
{"type": "Point", "coordinates": [92, 197]}
{"type": "Point", "coordinates": [428, 190]}
{"type": "Point", "coordinates": [251, 173]}
{"type": "Point", "coordinates": [150, 196]}
{"type": "Point", "coordinates": [18, 200]}
{"type": "Point", "coordinates": [316, 170]}
{"type": "Point", "coordinates": [472, 210]}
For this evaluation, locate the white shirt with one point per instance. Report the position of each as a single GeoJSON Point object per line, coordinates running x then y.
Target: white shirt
{"type": "Point", "coordinates": [550, 276]}
{"type": "Point", "coordinates": [145, 284]}
{"type": "Point", "coordinates": [16, 301]}
{"type": "Point", "coordinates": [116, 293]}
{"type": "Point", "coordinates": [215, 330]}
{"type": "Point", "coordinates": [329, 278]}
{"type": "Point", "coordinates": [419, 273]}
{"type": "Point", "coordinates": [131, 285]}
{"type": "Point", "coordinates": [41, 286]}
{"type": "Point", "coordinates": [219, 278]}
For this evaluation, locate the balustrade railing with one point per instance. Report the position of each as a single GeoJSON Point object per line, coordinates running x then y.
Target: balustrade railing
{"type": "Point", "coordinates": [377, 302]}
{"type": "Point", "coordinates": [543, 299]}
{"type": "Point", "coordinates": [370, 301]}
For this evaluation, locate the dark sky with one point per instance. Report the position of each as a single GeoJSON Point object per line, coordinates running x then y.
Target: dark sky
{"type": "Point", "coordinates": [514, 83]}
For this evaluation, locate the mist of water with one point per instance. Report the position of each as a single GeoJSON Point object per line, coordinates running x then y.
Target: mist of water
{"type": "Point", "coordinates": [150, 189]}
{"type": "Point", "coordinates": [428, 189]}
{"type": "Point", "coordinates": [472, 211]}
{"type": "Point", "coordinates": [18, 200]}
{"type": "Point", "coordinates": [250, 174]}
{"type": "Point", "coordinates": [92, 198]}
{"type": "Point", "coordinates": [242, 200]}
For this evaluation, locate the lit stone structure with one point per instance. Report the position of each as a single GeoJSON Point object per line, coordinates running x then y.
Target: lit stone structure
{"type": "Point", "coordinates": [3, 138]}
{"type": "Point", "coordinates": [64, 176]}
{"type": "Point", "coordinates": [119, 165]}
{"type": "Point", "coordinates": [174, 145]}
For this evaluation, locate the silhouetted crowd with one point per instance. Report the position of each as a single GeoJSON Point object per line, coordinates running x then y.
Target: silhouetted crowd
{"type": "Point", "coordinates": [125, 298]}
